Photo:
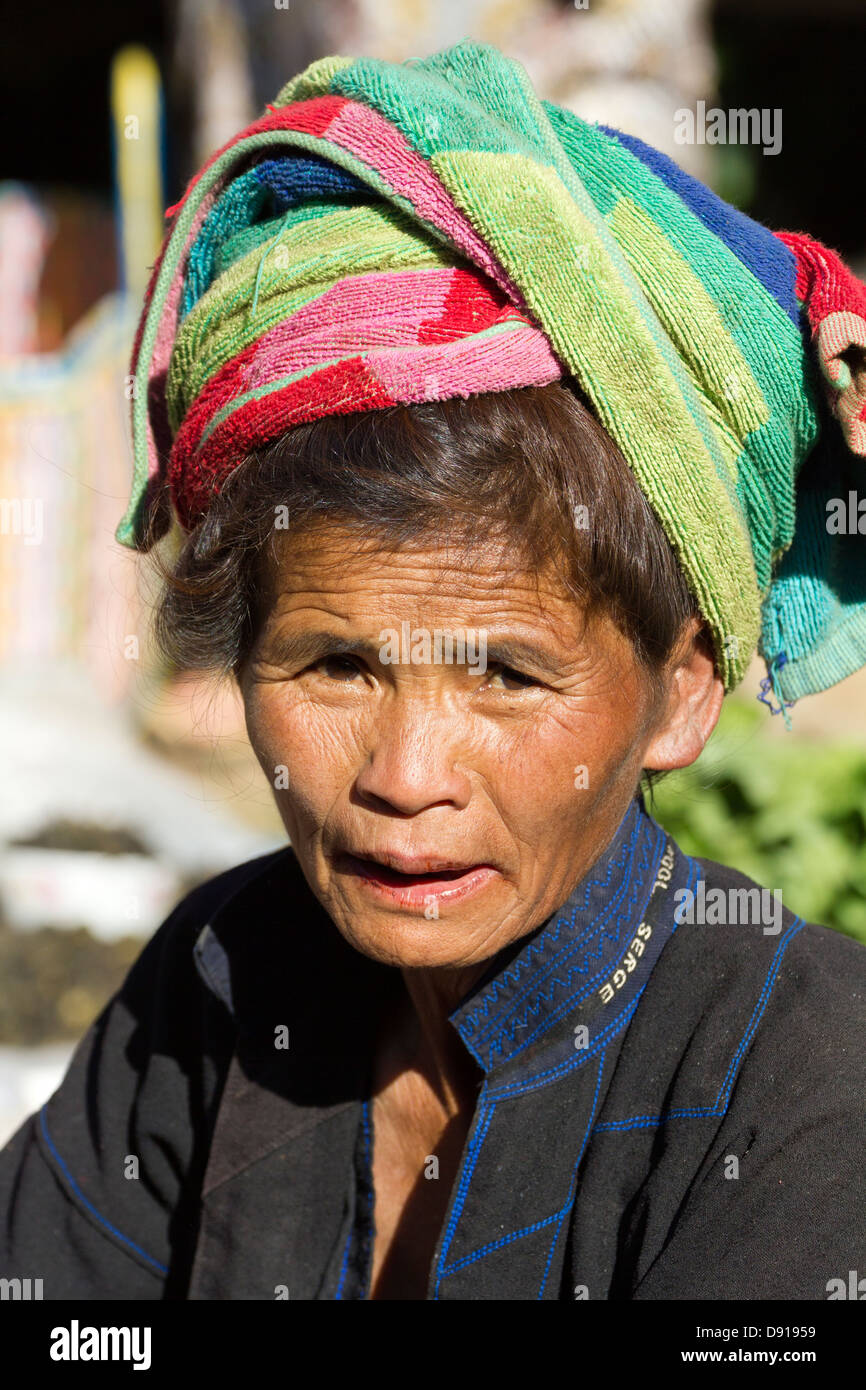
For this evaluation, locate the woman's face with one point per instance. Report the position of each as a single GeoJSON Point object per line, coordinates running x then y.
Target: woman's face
{"type": "Point", "coordinates": [439, 811]}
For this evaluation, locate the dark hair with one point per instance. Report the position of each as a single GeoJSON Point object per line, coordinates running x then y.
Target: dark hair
{"type": "Point", "coordinates": [521, 464]}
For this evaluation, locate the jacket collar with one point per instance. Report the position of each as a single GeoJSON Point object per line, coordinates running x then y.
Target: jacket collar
{"type": "Point", "coordinates": [271, 933]}
{"type": "Point", "coordinates": [559, 971]}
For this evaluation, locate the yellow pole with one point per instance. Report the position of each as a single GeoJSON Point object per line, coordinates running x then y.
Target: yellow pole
{"type": "Point", "coordinates": [136, 124]}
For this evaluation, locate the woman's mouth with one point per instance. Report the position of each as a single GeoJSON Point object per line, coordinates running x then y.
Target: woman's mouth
{"type": "Point", "coordinates": [412, 887]}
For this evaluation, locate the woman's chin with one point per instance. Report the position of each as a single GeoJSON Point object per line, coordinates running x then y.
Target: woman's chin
{"type": "Point", "coordinates": [408, 939]}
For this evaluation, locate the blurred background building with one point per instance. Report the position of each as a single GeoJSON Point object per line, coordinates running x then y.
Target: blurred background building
{"type": "Point", "coordinates": [124, 783]}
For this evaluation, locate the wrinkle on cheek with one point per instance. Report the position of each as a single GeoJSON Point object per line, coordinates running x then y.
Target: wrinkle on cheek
{"type": "Point", "coordinates": [564, 738]}
{"type": "Point", "coordinates": [561, 733]}
{"type": "Point", "coordinates": [322, 753]}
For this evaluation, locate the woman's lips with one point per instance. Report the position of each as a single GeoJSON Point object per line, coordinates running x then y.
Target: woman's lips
{"type": "Point", "coordinates": [416, 889]}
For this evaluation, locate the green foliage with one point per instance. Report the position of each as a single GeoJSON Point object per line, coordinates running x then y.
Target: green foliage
{"type": "Point", "coordinates": [789, 813]}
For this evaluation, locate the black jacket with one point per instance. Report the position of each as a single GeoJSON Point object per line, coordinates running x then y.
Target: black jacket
{"type": "Point", "coordinates": [669, 1110]}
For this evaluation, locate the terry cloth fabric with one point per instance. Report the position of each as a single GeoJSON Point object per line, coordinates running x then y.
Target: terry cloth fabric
{"type": "Point", "coordinates": [404, 232]}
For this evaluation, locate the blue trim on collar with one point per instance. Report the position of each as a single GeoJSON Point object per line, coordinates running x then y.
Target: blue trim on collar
{"type": "Point", "coordinates": [568, 958]}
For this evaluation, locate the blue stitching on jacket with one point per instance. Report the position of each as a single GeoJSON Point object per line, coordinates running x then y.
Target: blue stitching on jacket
{"type": "Point", "coordinates": [492, 1097]}
{"type": "Point", "coordinates": [344, 1265]}
{"type": "Point", "coordinates": [368, 1174]}
{"type": "Point", "coordinates": [569, 1201]}
{"type": "Point", "coordinates": [536, 1225]}
{"type": "Point", "coordinates": [365, 1129]}
{"type": "Point", "coordinates": [610, 1030]}
{"type": "Point", "coordinates": [463, 1190]}
{"type": "Point", "coordinates": [538, 956]}
{"type": "Point", "coordinates": [89, 1205]}
{"type": "Point", "coordinates": [575, 998]}
{"type": "Point", "coordinates": [497, 1244]}
{"type": "Point", "coordinates": [616, 914]}
{"type": "Point", "coordinates": [516, 1088]}
{"type": "Point", "coordinates": [704, 1111]}
{"type": "Point", "coordinates": [599, 1044]}
{"type": "Point", "coordinates": [511, 976]}
{"type": "Point", "coordinates": [763, 1000]}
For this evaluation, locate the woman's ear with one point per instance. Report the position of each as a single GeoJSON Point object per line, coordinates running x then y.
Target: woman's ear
{"type": "Point", "coordinates": [691, 707]}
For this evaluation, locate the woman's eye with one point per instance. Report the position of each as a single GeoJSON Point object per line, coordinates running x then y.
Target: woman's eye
{"type": "Point", "coordinates": [511, 679]}
{"type": "Point", "coordinates": [338, 668]}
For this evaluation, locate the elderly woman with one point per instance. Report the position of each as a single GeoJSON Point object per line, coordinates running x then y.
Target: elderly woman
{"type": "Point", "coordinates": [501, 444]}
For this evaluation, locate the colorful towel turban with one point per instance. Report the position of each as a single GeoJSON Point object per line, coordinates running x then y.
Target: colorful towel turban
{"type": "Point", "coordinates": [407, 232]}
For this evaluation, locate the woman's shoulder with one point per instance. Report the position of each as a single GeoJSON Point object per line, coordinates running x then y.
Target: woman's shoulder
{"type": "Point", "coordinates": [762, 912]}
{"type": "Point", "coordinates": [794, 985]}
{"type": "Point", "coordinates": [219, 892]}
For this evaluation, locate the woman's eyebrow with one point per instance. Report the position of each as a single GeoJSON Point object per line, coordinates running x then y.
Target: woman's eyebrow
{"type": "Point", "coordinates": [517, 653]}
{"type": "Point", "coordinates": [290, 649]}
{"type": "Point", "coordinates": [302, 648]}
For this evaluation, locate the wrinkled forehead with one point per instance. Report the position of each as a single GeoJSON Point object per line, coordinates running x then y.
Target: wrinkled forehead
{"type": "Point", "coordinates": [456, 568]}
{"type": "Point", "coordinates": [331, 578]}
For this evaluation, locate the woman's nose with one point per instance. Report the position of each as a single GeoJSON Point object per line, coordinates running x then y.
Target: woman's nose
{"type": "Point", "coordinates": [413, 761]}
